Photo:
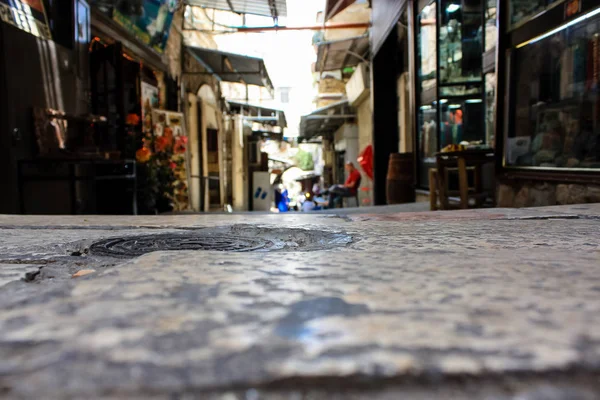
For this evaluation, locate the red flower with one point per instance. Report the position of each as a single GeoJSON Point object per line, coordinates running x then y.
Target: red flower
{"type": "Point", "coordinates": [168, 133]}
{"type": "Point", "coordinates": [180, 144]}
{"type": "Point", "coordinates": [143, 155]}
{"type": "Point", "coordinates": [161, 143]}
{"type": "Point", "coordinates": [173, 165]}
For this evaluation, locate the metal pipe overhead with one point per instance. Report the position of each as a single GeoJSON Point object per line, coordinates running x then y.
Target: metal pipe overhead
{"type": "Point", "coordinates": [303, 28]}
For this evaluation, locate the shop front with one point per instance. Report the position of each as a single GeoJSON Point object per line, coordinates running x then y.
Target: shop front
{"type": "Point", "coordinates": [210, 143]}
{"type": "Point", "coordinates": [549, 106]}
{"type": "Point", "coordinates": [451, 93]}
{"type": "Point", "coordinates": [391, 94]}
{"type": "Point", "coordinates": [47, 134]}
{"type": "Point", "coordinates": [335, 127]}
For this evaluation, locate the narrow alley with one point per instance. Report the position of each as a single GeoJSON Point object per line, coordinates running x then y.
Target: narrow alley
{"type": "Point", "coordinates": [300, 199]}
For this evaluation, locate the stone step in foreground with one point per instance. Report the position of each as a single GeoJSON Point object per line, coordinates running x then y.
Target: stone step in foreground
{"type": "Point", "coordinates": [487, 304]}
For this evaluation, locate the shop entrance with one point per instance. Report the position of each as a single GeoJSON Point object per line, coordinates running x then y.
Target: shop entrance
{"type": "Point", "coordinates": [340, 173]}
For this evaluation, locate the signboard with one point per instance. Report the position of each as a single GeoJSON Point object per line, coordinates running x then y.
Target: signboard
{"type": "Point", "coordinates": [28, 15]}
{"type": "Point", "coordinates": [152, 26]}
{"type": "Point", "coordinates": [149, 102]}
{"type": "Point", "coordinates": [169, 131]}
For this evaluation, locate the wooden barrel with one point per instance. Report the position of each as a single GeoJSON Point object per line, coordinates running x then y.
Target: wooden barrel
{"type": "Point", "coordinates": [400, 179]}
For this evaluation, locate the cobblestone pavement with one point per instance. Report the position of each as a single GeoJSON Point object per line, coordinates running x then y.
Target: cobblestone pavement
{"type": "Point", "coordinates": [477, 304]}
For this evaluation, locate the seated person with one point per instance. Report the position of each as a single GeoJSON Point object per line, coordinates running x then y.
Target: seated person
{"type": "Point", "coordinates": [348, 189]}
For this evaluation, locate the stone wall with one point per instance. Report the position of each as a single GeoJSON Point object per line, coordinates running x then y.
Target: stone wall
{"type": "Point", "coordinates": [356, 13]}
{"type": "Point", "coordinates": [172, 55]}
{"type": "Point", "coordinates": [539, 194]}
{"type": "Point", "coordinates": [193, 81]}
{"type": "Point", "coordinates": [175, 55]}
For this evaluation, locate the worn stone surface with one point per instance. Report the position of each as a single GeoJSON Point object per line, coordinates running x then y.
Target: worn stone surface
{"type": "Point", "coordinates": [577, 194]}
{"type": "Point", "coordinates": [16, 272]}
{"type": "Point", "coordinates": [478, 304]}
{"type": "Point", "coordinates": [593, 194]}
{"type": "Point", "coordinates": [546, 194]}
{"type": "Point", "coordinates": [562, 194]}
{"type": "Point", "coordinates": [522, 197]}
{"type": "Point", "coordinates": [542, 195]}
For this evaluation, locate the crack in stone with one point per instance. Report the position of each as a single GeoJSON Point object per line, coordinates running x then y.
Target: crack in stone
{"type": "Point", "coordinates": [539, 218]}
{"type": "Point", "coordinates": [22, 261]}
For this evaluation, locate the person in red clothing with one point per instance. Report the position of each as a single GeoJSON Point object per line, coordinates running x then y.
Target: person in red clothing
{"type": "Point", "coordinates": [348, 189]}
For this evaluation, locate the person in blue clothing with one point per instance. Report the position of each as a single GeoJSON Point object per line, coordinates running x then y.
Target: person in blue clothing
{"type": "Point", "coordinates": [282, 200]}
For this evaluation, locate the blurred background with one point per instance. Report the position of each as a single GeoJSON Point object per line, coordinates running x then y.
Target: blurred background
{"type": "Point", "coordinates": [184, 106]}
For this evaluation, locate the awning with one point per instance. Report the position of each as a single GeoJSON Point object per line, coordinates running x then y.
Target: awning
{"type": "Point", "coordinates": [343, 53]}
{"type": "Point", "coordinates": [230, 67]}
{"type": "Point", "coordinates": [333, 7]}
{"type": "Point", "coordinates": [269, 8]}
{"type": "Point", "coordinates": [326, 120]}
{"type": "Point", "coordinates": [260, 114]}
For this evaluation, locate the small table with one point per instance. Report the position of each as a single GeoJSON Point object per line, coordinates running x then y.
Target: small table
{"type": "Point", "coordinates": [461, 160]}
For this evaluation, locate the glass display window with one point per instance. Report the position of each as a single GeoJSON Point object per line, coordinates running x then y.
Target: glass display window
{"type": "Point", "coordinates": [428, 140]}
{"type": "Point", "coordinates": [461, 121]}
{"type": "Point", "coordinates": [428, 136]}
{"type": "Point", "coordinates": [461, 90]}
{"type": "Point", "coordinates": [522, 11]}
{"type": "Point", "coordinates": [427, 39]}
{"type": "Point", "coordinates": [555, 103]}
{"type": "Point", "coordinates": [490, 107]}
{"type": "Point", "coordinates": [460, 40]}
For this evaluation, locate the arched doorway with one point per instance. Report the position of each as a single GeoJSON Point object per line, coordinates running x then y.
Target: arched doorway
{"type": "Point", "coordinates": [205, 121]}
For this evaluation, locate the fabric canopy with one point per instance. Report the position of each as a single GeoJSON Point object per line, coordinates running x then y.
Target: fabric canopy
{"type": "Point", "coordinates": [343, 53]}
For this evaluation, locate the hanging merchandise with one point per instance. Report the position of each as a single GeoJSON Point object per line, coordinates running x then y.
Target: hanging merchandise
{"type": "Point", "coordinates": [28, 15]}
{"type": "Point", "coordinates": [149, 102]}
{"type": "Point", "coordinates": [169, 135]}
{"type": "Point", "coordinates": [163, 164]}
{"type": "Point", "coordinates": [365, 159]}
{"type": "Point", "coordinates": [152, 25]}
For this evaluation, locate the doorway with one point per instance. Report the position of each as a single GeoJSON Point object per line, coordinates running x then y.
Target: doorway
{"type": "Point", "coordinates": [213, 178]}
{"type": "Point", "coordinates": [340, 162]}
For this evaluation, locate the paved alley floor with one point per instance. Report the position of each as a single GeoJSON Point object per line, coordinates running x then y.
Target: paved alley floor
{"type": "Point", "coordinates": [476, 304]}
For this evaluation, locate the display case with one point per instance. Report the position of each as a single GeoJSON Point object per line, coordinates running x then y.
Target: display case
{"type": "Point", "coordinates": [461, 120]}
{"type": "Point", "coordinates": [450, 101]}
{"type": "Point", "coordinates": [523, 11]}
{"type": "Point", "coordinates": [427, 138]}
{"type": "Point", "coordinates": [491, 27]}
{"type": "Point", "coordinates": [490, 107]}
{"type": "Point", "coordinates": [460, 41]}
{"type": "Point", "coordinates": [554, 103]}
{"type": "Point", "coordinates": [427, 48]}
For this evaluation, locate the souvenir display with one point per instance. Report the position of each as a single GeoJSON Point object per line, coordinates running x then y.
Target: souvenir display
{"type": "Point", "coordinates": [557, 105]}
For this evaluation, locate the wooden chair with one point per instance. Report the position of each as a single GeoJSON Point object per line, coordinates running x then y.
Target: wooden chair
{"type": "Point", "coordinates": [344, 201]}
{"type": "Point", "coordinates": [462, 162]}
